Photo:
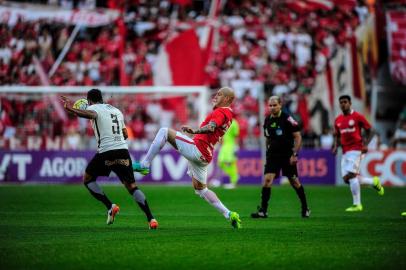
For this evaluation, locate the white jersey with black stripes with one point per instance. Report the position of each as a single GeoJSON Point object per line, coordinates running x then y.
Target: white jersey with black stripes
{"type": "Point", "coordinates": [108, 127]}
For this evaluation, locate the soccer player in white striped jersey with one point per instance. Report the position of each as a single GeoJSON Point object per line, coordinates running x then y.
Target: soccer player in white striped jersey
{"type": "Point", "coordinates": [112, 153]}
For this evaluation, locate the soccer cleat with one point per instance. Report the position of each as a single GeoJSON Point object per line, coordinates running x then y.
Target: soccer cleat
{"type": "Point", "coordinates": [260, 213]}
{"type": "Point", "coordinates": [235, 220]}
{"type": "Point", "coordinates": [403, 214]}
{"type": "Point", "coordinates": [306, 213]}
{"type": "Point", "coordinates": [354, 208]}
{"type": "Point", "coordinates": [137, 167]}
{"type": "Point", "coordinates": [153, 224]}
{"type": "Point", "coordinates": [378, 186]}
{"type": "Point", "coordinates": [112, 213]}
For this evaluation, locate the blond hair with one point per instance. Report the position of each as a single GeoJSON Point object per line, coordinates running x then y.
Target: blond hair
{"type": "Point", "coordinates": [277, 98]}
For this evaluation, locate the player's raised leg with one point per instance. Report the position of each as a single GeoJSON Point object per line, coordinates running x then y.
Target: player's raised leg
{"type": "Point", "coordinates": [373, 182]}
{"type": "Point", "coordinates": [163, 135]}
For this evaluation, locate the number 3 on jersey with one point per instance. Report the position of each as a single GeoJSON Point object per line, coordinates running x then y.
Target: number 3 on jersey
{"type": "Point", "coordinates": [115, 128]}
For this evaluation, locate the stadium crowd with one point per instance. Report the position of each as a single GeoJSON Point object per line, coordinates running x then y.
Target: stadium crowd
{"type": "Point", "coordinates": [264, 46]}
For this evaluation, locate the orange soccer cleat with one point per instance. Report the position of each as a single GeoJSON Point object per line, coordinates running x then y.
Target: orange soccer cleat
{"type": "Point", "coordinates": [153, 224]}
{"type": "Point", "coordinates": [111, 214]}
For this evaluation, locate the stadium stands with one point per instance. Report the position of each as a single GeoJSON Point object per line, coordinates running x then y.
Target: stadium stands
{"type": "Point", "coordinates": [261, 45]}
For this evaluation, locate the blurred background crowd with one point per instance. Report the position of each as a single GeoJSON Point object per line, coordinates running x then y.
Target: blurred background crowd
{"type": "Point", "coordinates": [271, 46]}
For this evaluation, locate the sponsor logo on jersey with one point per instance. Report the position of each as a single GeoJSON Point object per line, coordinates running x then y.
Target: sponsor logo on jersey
{"type": "Point", "coordinates": [351, 122]}
{"type": "Point", "coordinates": [347, 130]}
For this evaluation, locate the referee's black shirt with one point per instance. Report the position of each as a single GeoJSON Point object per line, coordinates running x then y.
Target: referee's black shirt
{"type": "Point", "coordinates": [279, 133]}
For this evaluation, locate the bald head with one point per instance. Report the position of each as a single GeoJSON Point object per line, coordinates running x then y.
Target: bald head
{"type": "Point", "coordinates": [224, 97]}
{"type": "Point", "coordinates": [228, 93]}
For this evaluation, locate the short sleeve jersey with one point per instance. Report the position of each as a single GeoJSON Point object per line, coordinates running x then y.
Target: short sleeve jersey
{"type": "Point", "coordinates": [279, 133]}
{"type": "Point", "coordinates": [108, 127]}
{"type": "Point", "coordinates": [349, 127]}
{"type": "Point", "coordinates": [206, 142]}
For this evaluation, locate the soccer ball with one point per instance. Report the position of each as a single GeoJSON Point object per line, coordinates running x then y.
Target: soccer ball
{"type": "Point", "coordinates": [80, 104]}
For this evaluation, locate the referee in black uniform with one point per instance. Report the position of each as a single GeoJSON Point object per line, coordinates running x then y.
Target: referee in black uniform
{"type": "Point", "coordinates": [283, 141]}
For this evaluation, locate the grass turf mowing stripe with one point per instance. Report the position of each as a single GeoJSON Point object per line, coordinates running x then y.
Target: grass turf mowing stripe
{"type": "Point", "coordinates": [62, 226]}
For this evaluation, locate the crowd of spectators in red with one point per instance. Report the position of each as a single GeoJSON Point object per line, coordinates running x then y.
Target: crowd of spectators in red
{"type": "Point", "coordinates": [265, 46]}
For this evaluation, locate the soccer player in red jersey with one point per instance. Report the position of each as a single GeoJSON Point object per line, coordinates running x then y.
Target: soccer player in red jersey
{"type": "Point", "coordinates": [199, 149]}
{"type": "Point", "coordinates": [348, 134]}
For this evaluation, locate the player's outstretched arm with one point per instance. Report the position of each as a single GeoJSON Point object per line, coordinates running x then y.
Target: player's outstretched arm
{"type": "Point", "coordinates": [209, 128]}
{"type": "Point", "coordinates": [67, 104]}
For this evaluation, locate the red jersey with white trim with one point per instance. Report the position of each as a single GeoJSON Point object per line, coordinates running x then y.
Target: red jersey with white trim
{"type": "Point", "coordinates": [206, 142]}
{"type": "Point", "coordinates": [349, 127]}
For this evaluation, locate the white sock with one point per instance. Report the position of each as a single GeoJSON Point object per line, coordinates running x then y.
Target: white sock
{"type": "Point", "coordinates": [366, 180]}
{"type": "Point", "coordinates": [212, 198]}
{"type": "Point", "coordinates": [159, 141]}
{"type": "Point", "coordinates": [356, 191]}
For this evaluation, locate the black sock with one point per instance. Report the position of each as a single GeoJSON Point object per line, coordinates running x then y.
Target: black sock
{"type": "Point", "coordinates": [98, 194]}
{"type": "Point", "coordinates": [302, 196]}
{"type": "Point", "coordinates": [139, 197]}
{"type": "Point", "coordinates": [265, 196]}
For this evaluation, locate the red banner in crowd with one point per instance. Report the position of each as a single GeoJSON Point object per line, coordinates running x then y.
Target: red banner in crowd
{"type": "Point", "coordinates": [396, 27]}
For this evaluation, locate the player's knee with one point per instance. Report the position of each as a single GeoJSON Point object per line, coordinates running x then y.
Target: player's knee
{"type": "Point", "coordinates": [351, 175]}
{"type": "Point", "coordinates": [294, 182]}
{"type": "Point", "coordinates": [347, 177]}
{"type": "Point", "coordinates": [268, 182]}
{"type": "Point", "coordinates": [163, 131]}
{"type": "Point", "coordinates": [87, 178]}
{"type": "Point", "coordinates": [201, 192]}
{"type": "Point", "coordinates": [131, 187]}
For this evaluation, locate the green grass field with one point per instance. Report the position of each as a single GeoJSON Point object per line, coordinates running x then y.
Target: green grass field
{"type": "Point", "coordinates": [63, 227]}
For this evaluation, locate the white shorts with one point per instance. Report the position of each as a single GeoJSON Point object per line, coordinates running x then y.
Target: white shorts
{"type": "Point", "coordinates": [197, 166]}
{"type": "Point", "coordinates": [350, 162]}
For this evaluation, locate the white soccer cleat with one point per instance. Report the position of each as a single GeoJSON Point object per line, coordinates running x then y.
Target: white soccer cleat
{"type": "Point", "coordinates": [112, 213]}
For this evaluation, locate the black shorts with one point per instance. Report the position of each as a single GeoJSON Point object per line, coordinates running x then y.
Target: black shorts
{"type": "Point", "coordinates": [275, 164]}
{"type": "Point", "coordinates": [118, 161]}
